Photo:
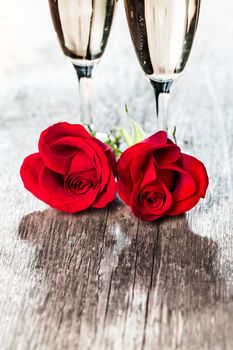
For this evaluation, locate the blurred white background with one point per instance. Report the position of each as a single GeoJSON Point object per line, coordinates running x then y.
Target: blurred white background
{"type": "Point", "coordinates": [32, 63]}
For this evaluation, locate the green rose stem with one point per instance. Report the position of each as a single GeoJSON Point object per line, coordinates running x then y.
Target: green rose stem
{"type": "Point", "coordinates": [174, 135]}
{"type": "Point", "coordinates": [91, 130]}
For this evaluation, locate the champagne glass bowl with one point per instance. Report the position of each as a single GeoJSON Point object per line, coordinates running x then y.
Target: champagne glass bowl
{"type": "Point", "coordinates": [83, 28]}
{"type": "Point", "coordinates": [162, 32]}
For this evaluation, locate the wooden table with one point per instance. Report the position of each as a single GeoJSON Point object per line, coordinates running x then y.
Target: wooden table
{"type": "Point", "coordinates": [103, 279]}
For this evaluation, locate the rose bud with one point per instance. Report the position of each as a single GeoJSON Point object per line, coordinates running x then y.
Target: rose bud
{"type": "Point", "coordinates": [72, 171]}
{"type": "Point", "coordinates": [155, 179]}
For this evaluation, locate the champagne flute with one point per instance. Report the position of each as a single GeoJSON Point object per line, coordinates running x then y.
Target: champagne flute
{"type": "Point", "coordinates": [162, 32]}
{"type": "Point", "coordinates": [83, 28]}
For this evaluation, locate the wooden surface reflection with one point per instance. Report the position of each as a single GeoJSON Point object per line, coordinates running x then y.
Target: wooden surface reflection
{"type": "Point", "coordinates": [120, 281]}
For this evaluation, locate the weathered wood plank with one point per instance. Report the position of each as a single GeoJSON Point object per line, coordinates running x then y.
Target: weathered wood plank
{"type": "Point", "coordinates": [102, 279]}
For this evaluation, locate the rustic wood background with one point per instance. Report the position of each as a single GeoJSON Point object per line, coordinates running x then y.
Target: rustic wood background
{"type": "Point", "coordinates": [102, 279]}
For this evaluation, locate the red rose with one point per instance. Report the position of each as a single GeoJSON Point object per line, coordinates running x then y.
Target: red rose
{"type": "Point", "coordinates": [156, 179]}
{"type": "Point", "coordinates": [72, 171]}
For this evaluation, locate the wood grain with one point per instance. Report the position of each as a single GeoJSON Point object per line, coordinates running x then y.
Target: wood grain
{"type": "Point", "coordinates": [102, 279]}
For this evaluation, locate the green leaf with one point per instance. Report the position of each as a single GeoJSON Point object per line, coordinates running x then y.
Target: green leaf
{"type": "Point", "coordinates": [138, 134]}
{"type": "Point", "coordinates": [126, 137]}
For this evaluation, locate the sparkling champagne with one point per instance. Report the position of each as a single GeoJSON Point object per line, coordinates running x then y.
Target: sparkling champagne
{"type": "Point", "coordinates": [162, 32]}
{"type": "Point", "coordinates": [83, 27]}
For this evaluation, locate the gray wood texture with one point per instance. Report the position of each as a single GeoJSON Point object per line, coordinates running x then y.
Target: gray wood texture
{"type": "Point", "coordinates": [103, 280]}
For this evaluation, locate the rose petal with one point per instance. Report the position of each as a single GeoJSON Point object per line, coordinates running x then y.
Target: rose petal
{"type": "Point", "coordinates": [58, 160]}
{"type": "Point", "coordinates": [169, 154]}
{"type": "Point", "coordinates": [109, 154]}
{"type": "Point", "coordinates": [139, 155]}
{"type": "Point", "coordinates": [107, 195]}
{"type": "Point", "coordinates": [53, 184]}
{"type": "Point", "coordinates": [150, 213]}
{"type": "Point", "coordinates": [159, 138]}
{"type": "Point", "coordinates": [86, 155]}
{"type": "Point", "coordinates": [184, 184]}
{"type": "Point", "coordinates": [81, 162]}
{"type": "Point", "coordinates": [149, 172]}
{"type": "Point", "coordinates": [182, 207]}
{"type": "Point", "coordinates": [85, 179]}
{"type": "Point", "coordinates": [125, 183]}
{"type": "Point", "coordinates": [104, 165]}
{"type": "Point", "coordinates": [61, 152]}
{"type": "Point", "coordinates": [166, 177]}
{"type": "Point", "coordinates": [62, 199]}
{"type": "Point", "coordinates": [30, 172]}
{"type": "Point", "coordinates": [131, 166]}
{"type": "Point", "coordinates": [198, 172]}
{"type": "Point", "coordinates": [90, 154]}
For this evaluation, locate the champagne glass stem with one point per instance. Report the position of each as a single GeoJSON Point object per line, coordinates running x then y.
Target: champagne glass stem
{"type": "Point", "coordinates": [84, 74]}
{"type": "Point", "coordinates": [162, 95]}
